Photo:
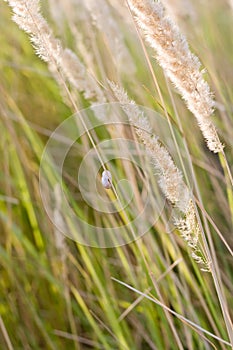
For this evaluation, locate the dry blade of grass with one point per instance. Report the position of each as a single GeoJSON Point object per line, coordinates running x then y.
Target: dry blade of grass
{"type": "Point", "coordinates": [182, 318]}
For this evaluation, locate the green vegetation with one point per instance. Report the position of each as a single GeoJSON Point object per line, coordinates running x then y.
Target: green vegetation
{"type": "Point", "coordinates": [56, 293]}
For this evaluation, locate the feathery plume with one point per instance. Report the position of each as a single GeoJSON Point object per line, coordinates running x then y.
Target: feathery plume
{"type": "Point", "coordinates": [190, 232]}
{"type": "Point", "coordinates": [181, 66]}
{"type": "Point", "coordinates": [170, 178]}
{"type": "Point", "coordinates": [26, 13]}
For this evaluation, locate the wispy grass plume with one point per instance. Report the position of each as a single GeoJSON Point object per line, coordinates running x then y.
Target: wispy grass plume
{"type": "Point", "coordinates": [179, 63]}
{"type": "Point", "coordinates": [28, 17]}
{"type": "Point", "coordinates": [170, 178]}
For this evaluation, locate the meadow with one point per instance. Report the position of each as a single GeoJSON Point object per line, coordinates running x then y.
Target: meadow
{"type": "Point", "coordinates": [116, 188]}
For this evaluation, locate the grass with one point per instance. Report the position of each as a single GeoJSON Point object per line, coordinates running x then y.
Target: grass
{"type": "Point", "coordinates": [56, 293]}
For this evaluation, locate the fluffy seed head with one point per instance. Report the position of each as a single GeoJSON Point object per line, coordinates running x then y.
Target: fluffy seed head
{"type": "Point", "coordinates": [179, 63]}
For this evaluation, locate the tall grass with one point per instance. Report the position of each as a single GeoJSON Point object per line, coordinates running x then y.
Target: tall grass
{"type": "Point", "coordinates": [171, 288]}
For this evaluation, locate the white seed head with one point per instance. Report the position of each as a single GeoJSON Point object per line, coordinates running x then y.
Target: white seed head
{"type": "Point", "coordinates": [181, 66]}
{"type": "Point", "coordinates": [106, 179]}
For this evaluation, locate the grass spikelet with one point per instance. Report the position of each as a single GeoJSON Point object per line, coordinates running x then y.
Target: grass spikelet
{"type": "Point", "coordinates": [181, 66]}
{"type": "Point", "coordinates": [190, 232]}
{"type": "Point", "coordinates": [28, 17]}
{"type": "Point", "coordinates": [170, 178]}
